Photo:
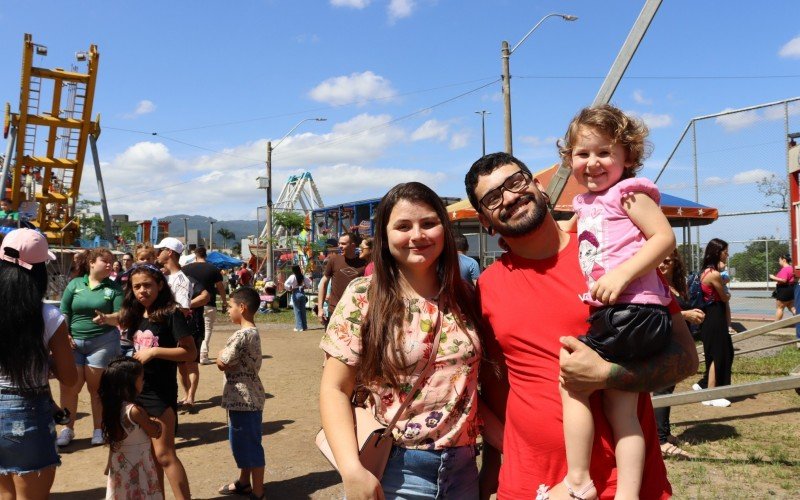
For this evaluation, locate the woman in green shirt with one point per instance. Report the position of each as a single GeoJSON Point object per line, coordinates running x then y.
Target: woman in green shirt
{"type": "Point", "coordinates": [90, 302]}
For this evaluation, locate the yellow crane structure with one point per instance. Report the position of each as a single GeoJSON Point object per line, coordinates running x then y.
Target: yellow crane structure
{"type": "Point", "coordinates": [43, 181]}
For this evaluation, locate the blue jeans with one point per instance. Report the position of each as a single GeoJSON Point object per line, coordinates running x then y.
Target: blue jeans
{"type": "Point", "coordinates": [244, 434]}
{"type": "Point", "coordinates": [27, 434]}
{"type": "Point", "coordinates": [439, 474]}
{"type": "Point", "coordinates": [299, 301]}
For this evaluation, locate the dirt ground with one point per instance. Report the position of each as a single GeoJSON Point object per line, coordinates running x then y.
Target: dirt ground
{"type": "Point", "coordinates": [295, 468]}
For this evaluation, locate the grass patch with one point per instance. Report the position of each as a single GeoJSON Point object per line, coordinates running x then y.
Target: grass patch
{"type": "Point", "coordinates": [749, 450]}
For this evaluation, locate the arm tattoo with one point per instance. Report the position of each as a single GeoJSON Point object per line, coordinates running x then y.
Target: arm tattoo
{"type": "Point", "coordinates": [663, 370]}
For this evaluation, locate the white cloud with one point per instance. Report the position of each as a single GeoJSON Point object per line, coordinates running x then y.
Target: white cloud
{"type": "Point", "coordinates": [791, 49]}
{"type": "Point", "coordinates": [143, 108]}
{"type": "Point", "coordinates": [307, 38]}
{"type": "Point", "coordinates": [355, 4]}
{"type": "Point", "coordinates": [715, 181]}
{"type": "Point", "coordinates": [345, 180]}
{"type": "Point", "coordinates": [399, 9]}
{"type": "Point", "coordinates": [751, 176]}
{"type": "Point", "coordinates": [639, 98]}
{"type": "Point", "coordinates": [653, 120]}
{"type": "Point", "coordinates": [737, 121]}
{"type": "Point", "coordinates": [431, 129]}
{"type": "Point", "coordinates": [459, 140]}
{"type": "Point", "coordinates": [355, 88]}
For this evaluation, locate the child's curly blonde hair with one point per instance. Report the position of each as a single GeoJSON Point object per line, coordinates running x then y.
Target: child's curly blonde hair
{"type": "Point", "coordinates": [609, 120]}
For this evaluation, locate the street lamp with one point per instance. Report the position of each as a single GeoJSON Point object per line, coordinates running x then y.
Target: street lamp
{"type": "Point", "coordinates": [265, 183]}
{"type": "Point", "coordinates": [483, 114]}
{"type": "Point", "coordinates": [211, 234]}
{"type": "Point", "coordinates": [505, 56]}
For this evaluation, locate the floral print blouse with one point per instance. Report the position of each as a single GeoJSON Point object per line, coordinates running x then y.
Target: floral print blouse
{"type": "Point", "coordinates": [445, 410]}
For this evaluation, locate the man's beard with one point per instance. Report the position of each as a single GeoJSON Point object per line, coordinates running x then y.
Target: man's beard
{"type": "Point", "coordinates": [527, 224]}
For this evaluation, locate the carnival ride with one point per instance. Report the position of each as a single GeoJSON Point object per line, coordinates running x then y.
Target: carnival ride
{"type": "Point", "coordinates": [41, 180]}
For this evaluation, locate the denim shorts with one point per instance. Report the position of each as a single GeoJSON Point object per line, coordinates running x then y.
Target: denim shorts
{"type": "Point", "coordinates": [244, 433]}
{"type": "Point", "coordinates": [27, 434]}
{"type": "Point", "coordinates": [440, 474]}
{"type": "Point", "coordinates": [97, 352]}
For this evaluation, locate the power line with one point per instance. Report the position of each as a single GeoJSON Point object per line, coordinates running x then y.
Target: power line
{"type": "Point", "coordinates": [302, 112]}
{"type": "Point", "coordinates": [661, 77]}
{"type": "Point", "coordinates": [317, 145]}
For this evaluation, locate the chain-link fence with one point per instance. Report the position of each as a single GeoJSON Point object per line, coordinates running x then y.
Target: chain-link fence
{"type": "Point", "coordinates": [750, 263]}
{"type": "Point", "coordinates": [736, 161]}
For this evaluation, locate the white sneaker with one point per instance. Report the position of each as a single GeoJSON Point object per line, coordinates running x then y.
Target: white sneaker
{"type": "Point", "coordinates": [206, 361]}
{"type": "Point", "coordinates": [696, 387]}
{"type": "Point", "coordinates": [720, 403]}
{"type": "Point", "coordinates": [97, 437]}
{"type": "Point", "coordinates": [65, 436]}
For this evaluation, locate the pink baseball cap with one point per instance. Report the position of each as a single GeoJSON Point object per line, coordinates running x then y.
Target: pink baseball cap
{"type": "Point", "coordinates": [25, 247]}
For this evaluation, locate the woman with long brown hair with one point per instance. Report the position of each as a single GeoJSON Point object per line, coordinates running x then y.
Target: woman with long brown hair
{"type": "Point", "coordinates": [381, 336]}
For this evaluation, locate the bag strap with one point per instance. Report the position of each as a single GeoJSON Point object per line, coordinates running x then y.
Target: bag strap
{"type": "Point", "coordinates": [420, 379]}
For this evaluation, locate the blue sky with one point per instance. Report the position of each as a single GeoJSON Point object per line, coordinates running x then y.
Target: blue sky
{"type": "Point", "coordinates": [215, 80]}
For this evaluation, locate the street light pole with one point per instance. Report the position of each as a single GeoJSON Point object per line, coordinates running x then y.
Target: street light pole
{"type": "Point", "coordinates": [483, 114]}
{"type": "Point", "coordinates": [268, 215]}
{"type": "Point", "coordinates": [505, 54]}
{"type": "Point", "coordinates": [211, 233]}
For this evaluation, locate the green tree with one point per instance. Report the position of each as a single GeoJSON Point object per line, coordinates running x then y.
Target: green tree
{"type": "Point", "coordinates": [292, 222]}
{"type": "Point", "coordinates": [226, 235]}
{"type": "Point", "coordinates": [754, 263]}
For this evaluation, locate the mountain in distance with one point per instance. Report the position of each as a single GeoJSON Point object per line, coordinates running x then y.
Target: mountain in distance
{"type": "Point", "coordinates": [241, 228]}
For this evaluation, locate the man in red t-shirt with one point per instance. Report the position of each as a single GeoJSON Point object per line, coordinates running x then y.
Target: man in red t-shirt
{"type": "Point", "coordinates": [530, 300]}
{"type": "Point", "coordinates": [245, 276]}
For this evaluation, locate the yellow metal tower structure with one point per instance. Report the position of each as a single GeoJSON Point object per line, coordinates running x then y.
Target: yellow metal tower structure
{"type": "Point", "coordinates": [45, 184]}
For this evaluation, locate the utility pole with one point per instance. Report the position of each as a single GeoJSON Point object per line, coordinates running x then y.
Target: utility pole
{"type": "Point", "coordinates": [268, 213]}
{"type": "Point", "coordinates": [211, 233]}
{"type": "Point", "coordinates": [185, 235]}
{"type": "Point", "coordinates": [506, 55]}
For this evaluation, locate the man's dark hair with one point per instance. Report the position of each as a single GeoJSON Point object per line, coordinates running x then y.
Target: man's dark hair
{"type": "Point", "coordinates": [248, 297]}
{"type": "Point", "coordinates": [200, 252]}
{"type": "Point", "coordinates": [462, 245]}
{"type": "Point", "coordinates": [485, 166]}
{"type": "Point", "coordinates": [354, 238]}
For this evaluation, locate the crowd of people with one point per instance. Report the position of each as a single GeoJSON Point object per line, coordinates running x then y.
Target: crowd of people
{"type": "Point", "coordinates": [441, 352]}
{"type": "Point", "coordinates": [129, 339]}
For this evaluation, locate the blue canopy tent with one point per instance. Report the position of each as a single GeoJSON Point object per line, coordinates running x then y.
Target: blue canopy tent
{"type": "Point", "coordinates": [222, 261]}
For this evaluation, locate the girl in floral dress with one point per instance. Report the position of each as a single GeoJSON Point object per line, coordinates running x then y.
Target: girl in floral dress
{"type": "Point", "coordinates": [127, 429]}
{"type": "Point", "coordinates": [381, 335]}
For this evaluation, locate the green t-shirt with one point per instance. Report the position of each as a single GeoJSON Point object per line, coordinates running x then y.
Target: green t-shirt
{"type": "Point", "coordinates": [79, 302]}
{"type": "Point", "coordinates": [9, 215]}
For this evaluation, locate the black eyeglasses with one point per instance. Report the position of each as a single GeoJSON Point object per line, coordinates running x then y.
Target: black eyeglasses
{"type": "Point", "coordinates": [516, 183]}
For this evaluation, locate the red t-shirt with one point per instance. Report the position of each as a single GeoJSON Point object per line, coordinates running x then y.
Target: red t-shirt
{"type": "Point", "coordinates": [244, 276]}
{"type": "Point", "coordinates": [528, 305]}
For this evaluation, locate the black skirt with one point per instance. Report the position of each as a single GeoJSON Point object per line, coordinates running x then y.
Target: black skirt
{"type": "Point", "coordinates": [717, 344]}
{"type": "Point", "coordinates": [625, 332]}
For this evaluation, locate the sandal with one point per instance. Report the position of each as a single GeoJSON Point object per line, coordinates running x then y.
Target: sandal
{"type": "Point", "coordinates": [579, 495]}
{"type": "Point", "coordinates": [669, 450]}
{"type": "Point", "coordinates": [238, 489]}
